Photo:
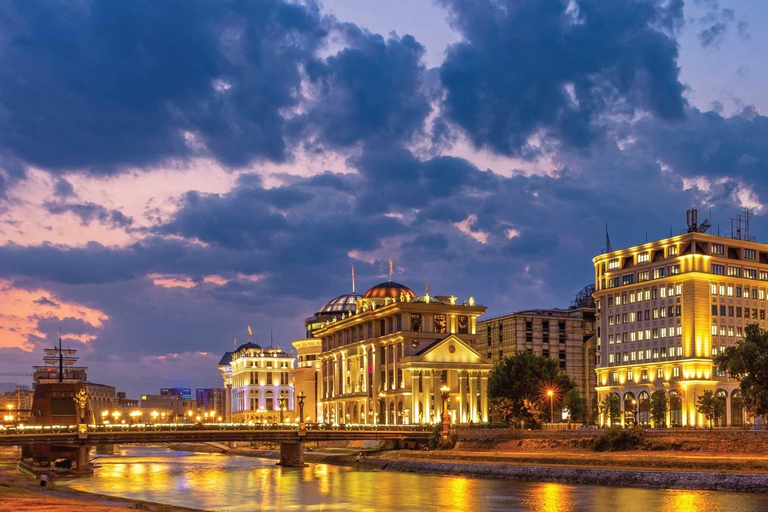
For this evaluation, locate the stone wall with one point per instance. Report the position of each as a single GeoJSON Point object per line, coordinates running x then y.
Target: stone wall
{"type": "Point", "coordinates": [722, 441]}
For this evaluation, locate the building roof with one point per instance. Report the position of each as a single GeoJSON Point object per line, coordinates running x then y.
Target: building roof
{"type": "Point", "coordinates": [388, 289]}
{"type": "Point", "coordinates": [226, 359]}
{"type": "Point", "coordinates": [248, 345]}
{"type": "Point", "coordinates": [341, 304]}
{"type": "Point", "coordinates": [427, 299]}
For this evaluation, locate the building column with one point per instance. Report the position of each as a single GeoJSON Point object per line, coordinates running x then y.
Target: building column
{"type": "Point", "coordinates": [728, 409]}
{"type": "Point", "coordinates": [425, 399]}
{"type": "Point", "coordinates": [366, 383]}
{"type": "Point", "coordinates": [462, 406]}
{"type": "Point", "coordinates": [395, 364]}
{"type": "Point", "coordinates": [437, 382]}
{"type": "Point", "coordinates": [472, 400]}
{"type": "Point", "coordinates": [621, 414]}
{"type": "Point", "coordinates": [385, 362]}
{"type": "Point", "coordinates": [484, 397]}
{"type": "Point", "coordinates": [414, 398]}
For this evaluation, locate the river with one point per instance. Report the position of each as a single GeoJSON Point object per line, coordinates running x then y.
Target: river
{"type": "Point", "coordinates": [232, 484]}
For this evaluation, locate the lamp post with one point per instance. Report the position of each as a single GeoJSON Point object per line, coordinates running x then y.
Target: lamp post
{"type": "Point", "coordinates": [445, 395]}
{"type": "Point", "coordinates": [281, 403]}
{"type": "Point", "coordinates": [104, 415]}
{"type": "Point", "coordinates": [551, 395]}
{"type": "Point", "coordinates": [302, 397]}
{"type": "Point", "coordinates": [637, 412]}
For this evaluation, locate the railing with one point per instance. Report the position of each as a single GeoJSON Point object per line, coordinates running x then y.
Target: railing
{"type": "Point", "coordinates": [207, 427]}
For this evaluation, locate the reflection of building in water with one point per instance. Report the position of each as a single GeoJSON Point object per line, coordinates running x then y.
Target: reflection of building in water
{"type": "Point", "coordinates": [384, 357]}
{"type": "Point", "coordinates": [256, 378]}
{"type": "Point", "coordinates": [665, 308]}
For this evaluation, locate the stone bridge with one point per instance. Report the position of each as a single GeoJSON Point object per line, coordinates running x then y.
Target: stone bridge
{"type": "Point", "coordinates": [290, 437]}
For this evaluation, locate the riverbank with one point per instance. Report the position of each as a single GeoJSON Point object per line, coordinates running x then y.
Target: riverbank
{"type": "Point", "coordinates": [22, 494]}
{"type": "Point", "coordinates": [656, 470]}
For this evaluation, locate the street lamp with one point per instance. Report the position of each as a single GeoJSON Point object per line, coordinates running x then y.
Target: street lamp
{"type": "Point", "coordinates": [637, 411]}
{"type": "Point", "coordinates": [445, 395]}
{"type": "Point", "coordinates": [551, 395]}
{"type": "Point", "coordinates": [301, 398]}
{"type": "Point", "coordinates": [104, 415]}
{"type": "Point", "coordinates": [154, 415]}
{"type": "Point", "coordinates": [281, 403]}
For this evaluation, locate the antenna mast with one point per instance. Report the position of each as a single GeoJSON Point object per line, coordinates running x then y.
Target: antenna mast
{"type": "Point", "coordinates": [61, 359]}
{"type": "Point", "coordinates": [608, 247]}
{"type": "Point", "coordinates": [353, 279]}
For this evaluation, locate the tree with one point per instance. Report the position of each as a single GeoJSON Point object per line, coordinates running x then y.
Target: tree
{"type": "Point", "coordinates": [526, 377]}
{"type": "Point", "coordinates": [574, 404]}
{"type": "Point", "coordinates": [610, 408]}
{"type": "Point", "coordinates": [747, 361]}
{"type": "Point", "coordinates": [658, 408]}
{"type": "Point", "coordinates": [710, 406]}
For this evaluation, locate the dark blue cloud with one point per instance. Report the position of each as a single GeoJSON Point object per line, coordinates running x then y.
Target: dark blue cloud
{"type": "Point", "coordinates": [556, 68]}
{"type": "Point", "coordinates": [89, 212]}
{"type": "Point", "coordinates": [105, 86]}
{"type": "Point", "coordinates": [370, 89]}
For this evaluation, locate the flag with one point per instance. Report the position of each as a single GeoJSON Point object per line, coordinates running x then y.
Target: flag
{"type": "Point", "coordinates": [250, 332]}
{"type": "Point", "coordinates": [390, 269]}
{"type": "Point", "coordinates": [353, 279]}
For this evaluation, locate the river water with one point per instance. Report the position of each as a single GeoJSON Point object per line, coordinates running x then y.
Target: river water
{"type": "Point", "coordinates": [230, 483]}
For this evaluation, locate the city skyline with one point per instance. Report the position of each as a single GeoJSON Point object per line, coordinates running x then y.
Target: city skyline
{"type": "Point", "coordinates": [155, 203]}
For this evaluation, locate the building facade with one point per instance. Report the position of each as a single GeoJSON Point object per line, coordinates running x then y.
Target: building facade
{"type": "Point", "coordinates": [211, 400]}
{"type": "Point", "coordinates": [386, 360]}
{"type": "Point", "coordinates": [306, 376]}
{"type": "Point", "coordinates": [169, 408]}
{"type": "Point", "coordinates": [566, 335]}
{"type": "Point", "coordinates": [664, 309]}
{"type": "Point", "coordinates": [256, 379]}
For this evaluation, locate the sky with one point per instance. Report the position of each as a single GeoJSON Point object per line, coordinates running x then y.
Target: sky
{"type": "Point", "coordinates": [172, 172]}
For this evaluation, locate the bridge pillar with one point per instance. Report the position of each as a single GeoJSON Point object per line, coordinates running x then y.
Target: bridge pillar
{"type": "Point", "coordinates": [292, 455]}
{"type": "Point", "coordinates": [83, 460]}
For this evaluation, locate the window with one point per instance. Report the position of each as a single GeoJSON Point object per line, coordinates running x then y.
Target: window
{"type": "Point", "coordinates": [713, 289]}
{"type": "Point", "coordinates": [613, 264]}
{"type": "Point", "coordinates": [658, 273]}
{"type": "Point", "coordinates": [415, 322]}
{"type": "Point", "coordinates": [610, 358]}
{"type": "Point", "coordinates": [714, 311]}
{"type": "Point", "coordinates": [463, 324]}
{"type": "Point", "coordinates": [738, 291]}
{"type": "Point", "coordinates": [643, 276]}
{"type": "Point", "coordinates": [628, 279]}
{"type": "Point", "coordinates": [763, 275]}
{"type": "Point", "coordinates": [678, 331]}
{"type": "Point", "coordinates": [610, 301]}
{"type": "Point", "coordinates": [678, 289]}
{"type": "Point", "coordinates": [659, 373]}
{"type": "Point", "coordinates": [718, 249]}
{"type": "Point", "coordinates": [629, 373]}
{"type": "Point", "coordinates": [749, 254]}
{"type": "Point", "coordinates": [714, 330]}
{"type": "Point", "coordinates": [528, 331]}
{"type": "Point", "coordinates": [718, 269]}
{"type": "Point", "coordinates": [643, 257]}
{"type": "Point", "coordinates": [674, 270]}
{"type": "Point", "coordinates": [632, 316]}
{"type": "Point", "coordinates": [750, 273]}
{"type": "Point", "coordinates": [440, 327]}
{"type": "Point", "coordinates": [672, 250]}
{"type": "Point", "coordinates": [734, 271]}
{"type": "Point", "coordinates": [676, 371]}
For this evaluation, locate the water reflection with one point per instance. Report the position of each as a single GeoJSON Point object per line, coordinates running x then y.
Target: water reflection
{"type": "Point", "coordinates": [225, 483]}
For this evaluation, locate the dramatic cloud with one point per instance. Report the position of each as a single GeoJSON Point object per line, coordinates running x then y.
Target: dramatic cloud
{"type": "Point", "coordinates": [554, 68]}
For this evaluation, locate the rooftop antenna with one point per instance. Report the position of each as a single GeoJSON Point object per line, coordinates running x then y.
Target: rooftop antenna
{"type": "Point", "coordinates": [390, 270]}
{"type": "Point", "coordinates": [353, 279]}
{"type": "Point", "coordinates": [608, 247]}
{"type": "Point", "coordinates": [61, 359]}
{"type": "Point", "coordinates": [646, 237]}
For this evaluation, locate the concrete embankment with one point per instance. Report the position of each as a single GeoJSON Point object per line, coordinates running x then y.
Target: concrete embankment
{"type": "Point", "coordinates": [693, 480]}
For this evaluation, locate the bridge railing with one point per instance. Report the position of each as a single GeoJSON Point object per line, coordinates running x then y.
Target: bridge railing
{"type": "Point", "coordinates": [206, 427]}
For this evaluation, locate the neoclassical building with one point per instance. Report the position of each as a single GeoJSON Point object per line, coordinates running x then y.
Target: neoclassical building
{"type": "Point", "coordinates": [386, 355]}
{"type": "Point", "coordinates": [664, 309]}
{"type": "Point", "coordinates": [254, 379]}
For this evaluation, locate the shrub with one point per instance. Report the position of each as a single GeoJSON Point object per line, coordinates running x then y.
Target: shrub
{"type": "Point", "coordinates": [616, 439]}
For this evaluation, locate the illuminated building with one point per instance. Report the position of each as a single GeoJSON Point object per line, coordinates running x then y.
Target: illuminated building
{"type": "Point", "coordinates": [566, 335]}
{"type": "Point", "coordinates": [256, 378]}
{"type": "Point", "coordinates": [385, 359]}
{"type": "Point", "coordinates": [173, 407]}
{"type": "Point", "coordinates": [665, 308]}
{"type": "Point", "coordinates": [305, 375]}
{"type": "Point", "coordinates": [211, 399]}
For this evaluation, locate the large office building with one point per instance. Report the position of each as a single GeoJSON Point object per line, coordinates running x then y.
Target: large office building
{"type": "Point", "coordinates": [256, 380]}
{"type": "Point", "coordinates": [306, 376]}
{"type": "Point", "coordinates": [385, 358]}
{"type": "Point", "coordinates": [665, 308]}
{"type": "Point", "coordinates": [566, 335]}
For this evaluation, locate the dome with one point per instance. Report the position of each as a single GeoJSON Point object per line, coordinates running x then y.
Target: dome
{"type": "Point", "coordinates": [248, 345]}
{"type": "Point", "coordinates": [341, 304]}
{"type": "Point", "coordinates": [389, 290]}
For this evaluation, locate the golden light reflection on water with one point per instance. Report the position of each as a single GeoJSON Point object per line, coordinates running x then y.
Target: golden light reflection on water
{"type": "Point", "coordinates": [234, 484]}
{"type": "Point", "coordinates": [550, 497]}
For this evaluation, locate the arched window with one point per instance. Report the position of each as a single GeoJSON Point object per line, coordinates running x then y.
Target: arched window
{"type": "Point", "coordinates": [644, 408]}
{"type": "Point", "coordinates": [737, 409]}
{"type": "Point", "coordinates": [675, 409]}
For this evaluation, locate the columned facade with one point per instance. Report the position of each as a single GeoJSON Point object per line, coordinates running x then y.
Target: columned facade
{"type": "Point", "coordinates": [385, 361]}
